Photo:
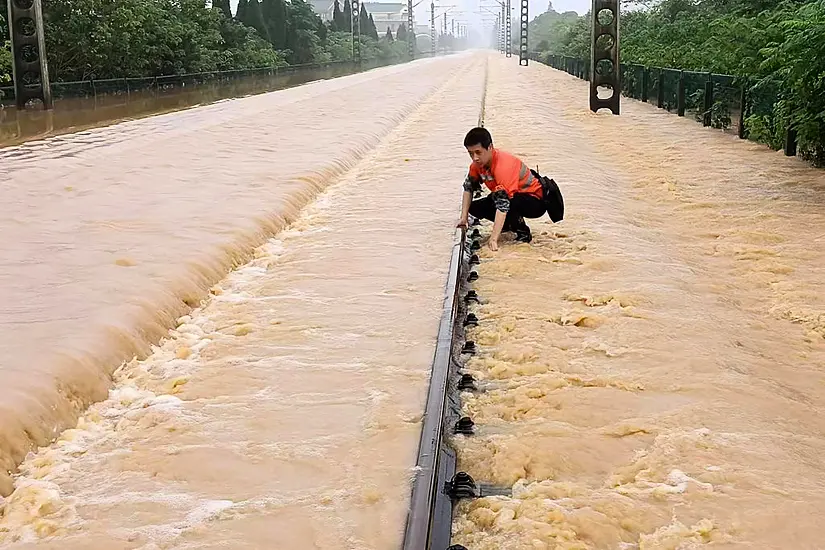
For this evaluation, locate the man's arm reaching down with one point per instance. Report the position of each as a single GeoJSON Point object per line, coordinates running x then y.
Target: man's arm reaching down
{"type": "Point", "coordinates": [466, 200]}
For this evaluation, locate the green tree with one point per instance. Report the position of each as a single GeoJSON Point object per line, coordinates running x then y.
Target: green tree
{"type": "Point", "coordinates": [401, 33]}
{"type": "Point", "coordinates": [104, 39]}
{"type": "Point", "coordinates": [276, 19]}
{"type": "Point", "coordinates": [130, 38]}
{"type": "Point", "coordinates": [302, 38]}
{"type": "Point", "coordinates": [338, 22]}
{"type": "Point", "coordinates": [364, 21]}
{"type": "Point", "coordinates": [347, 17]}
{"type": "Point", "coordinates": [254, 17]}
{"type": "Point", "coordinates": [798, 61]}
{"type": "Point", "coordinates": [549, 28]}
{"type": "Point", "coordinates": [779, 46]}
{"type": "Point", "coordinates": [88, 38]}
{"type": "Point", "coordinates": [240, 12]}
{"type": "Point", "coordinates": [373, 31]}
{"type": "Point", "coordinates": [224, 7]}
{"type": "Point", "coordinates": [338, 46]}
{"type": "Point", "coordinates": [243, 48]}
{"type": "Point", "coordinates": [321, 30]}
{"type": "Point", "coordinates": [5, 47]}
{"type": "Point", "coordinates": [388, 37]}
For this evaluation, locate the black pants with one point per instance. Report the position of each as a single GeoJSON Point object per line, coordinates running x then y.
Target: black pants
{"type": "Point", "coordinates": [522, 206]}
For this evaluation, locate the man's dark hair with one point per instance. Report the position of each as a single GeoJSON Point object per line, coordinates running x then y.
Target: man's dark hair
{"type": "Point", "coordinates": [478, 136]}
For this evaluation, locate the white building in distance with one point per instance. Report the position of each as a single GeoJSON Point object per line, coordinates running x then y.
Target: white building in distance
{"type": "Point", "coordinates": [387, 15]}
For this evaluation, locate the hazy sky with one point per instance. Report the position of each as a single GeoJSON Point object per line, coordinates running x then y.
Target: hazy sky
{"type": "Point", "coordinates": [467, 10]}
{"type": "Point", "coordinates": [580, 6]}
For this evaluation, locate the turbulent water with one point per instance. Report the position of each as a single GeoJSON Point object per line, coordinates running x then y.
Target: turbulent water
{"type": "Point", "coordinates": [283, 413]}
{"type": "Point", "coordinates": [652, 367]}
{"type": "Point", "coordinates": [122, 100]}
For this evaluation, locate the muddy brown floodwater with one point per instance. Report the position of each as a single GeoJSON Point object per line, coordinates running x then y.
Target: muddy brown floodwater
{"type": "Point", "coordinates": [85, 105]}
{"type": "Point", "coordinates": [285, 411]}
{"type": "Point", "coordinates": [653, 366]}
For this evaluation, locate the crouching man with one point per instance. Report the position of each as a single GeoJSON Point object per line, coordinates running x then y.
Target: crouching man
{"type": "Point", "coordinates": [515, 191]}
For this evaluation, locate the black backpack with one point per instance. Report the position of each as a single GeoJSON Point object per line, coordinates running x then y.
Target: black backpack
{"type": "Point", "coordinates": [553, 200]}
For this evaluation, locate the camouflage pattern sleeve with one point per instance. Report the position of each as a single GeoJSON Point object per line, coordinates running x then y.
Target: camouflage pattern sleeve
{"type": "Point", "coordinates": [501, 200]}
{"type": "Point", "coordinates": [468, 184]}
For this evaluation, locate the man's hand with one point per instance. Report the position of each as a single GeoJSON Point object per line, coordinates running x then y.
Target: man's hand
{"type": "Point", "coordinates": [462, 223]}
{"type": "Point", "coordinates": [498, 223]}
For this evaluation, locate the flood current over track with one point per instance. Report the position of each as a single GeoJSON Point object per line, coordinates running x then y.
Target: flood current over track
{"type": "Point", "coordinates": [285, 410]}
{"type": "Point", "coordinates": [648, 374]}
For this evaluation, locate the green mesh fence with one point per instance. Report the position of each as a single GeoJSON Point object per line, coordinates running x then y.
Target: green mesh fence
{"type": "Point", "coordinates": [651, 85]}
{"type": "Point", "coordinates": [726, 110]}
{"type": "Point", "coordinates": [714, 100]}
{"type": "Point", "coordinates": [763, 124]}
{"type": "Point", "coordinates": [694, 93]}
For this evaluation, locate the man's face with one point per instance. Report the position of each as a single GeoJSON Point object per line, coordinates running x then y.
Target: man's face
{"type": "Point", "coordinates": [480, 155]}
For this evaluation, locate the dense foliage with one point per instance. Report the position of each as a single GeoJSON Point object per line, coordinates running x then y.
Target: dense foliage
{"type": "Point", "coordinates": [778, 45]}
{"type": "Point", "coordinates": [123, 38]}
{"type": "Point", "coordinates": [5, 53]}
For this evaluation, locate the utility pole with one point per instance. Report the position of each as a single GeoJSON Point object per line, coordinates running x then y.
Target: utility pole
{"type": "Point", "coordinates": [503, 31]}
{"type": "Point", "coordinates": [410, 30]}
{"type": "Point", "coordinates": [30, 68]}
{"type": "Point", "coordinates": [432, 28]}
{"type": "Point", "coordinates": [604, 55]}
{"type": "Point", "coordinates": [356, 31]}
{"type": "Point", "coordinates": [523, 54]}
{"type": "Point", "coordinates": [508, 34]}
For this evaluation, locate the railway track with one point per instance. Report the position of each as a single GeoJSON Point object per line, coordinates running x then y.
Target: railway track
{"type": "Point", "coordinates": [438, 486]}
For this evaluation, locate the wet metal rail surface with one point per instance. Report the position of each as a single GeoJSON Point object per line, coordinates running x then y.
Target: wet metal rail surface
{"type": "Point", "coordinates": [430, 518]}
{"type": "Point", "coordinates": [437, 486]}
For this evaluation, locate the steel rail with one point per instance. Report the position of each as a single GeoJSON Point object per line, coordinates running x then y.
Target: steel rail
{"type": "Point", "coordinates": [429, 520]}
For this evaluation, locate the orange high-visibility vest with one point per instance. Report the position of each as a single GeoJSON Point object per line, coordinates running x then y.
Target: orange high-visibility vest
{"type": "Point", "coordinates": [507, 173]}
